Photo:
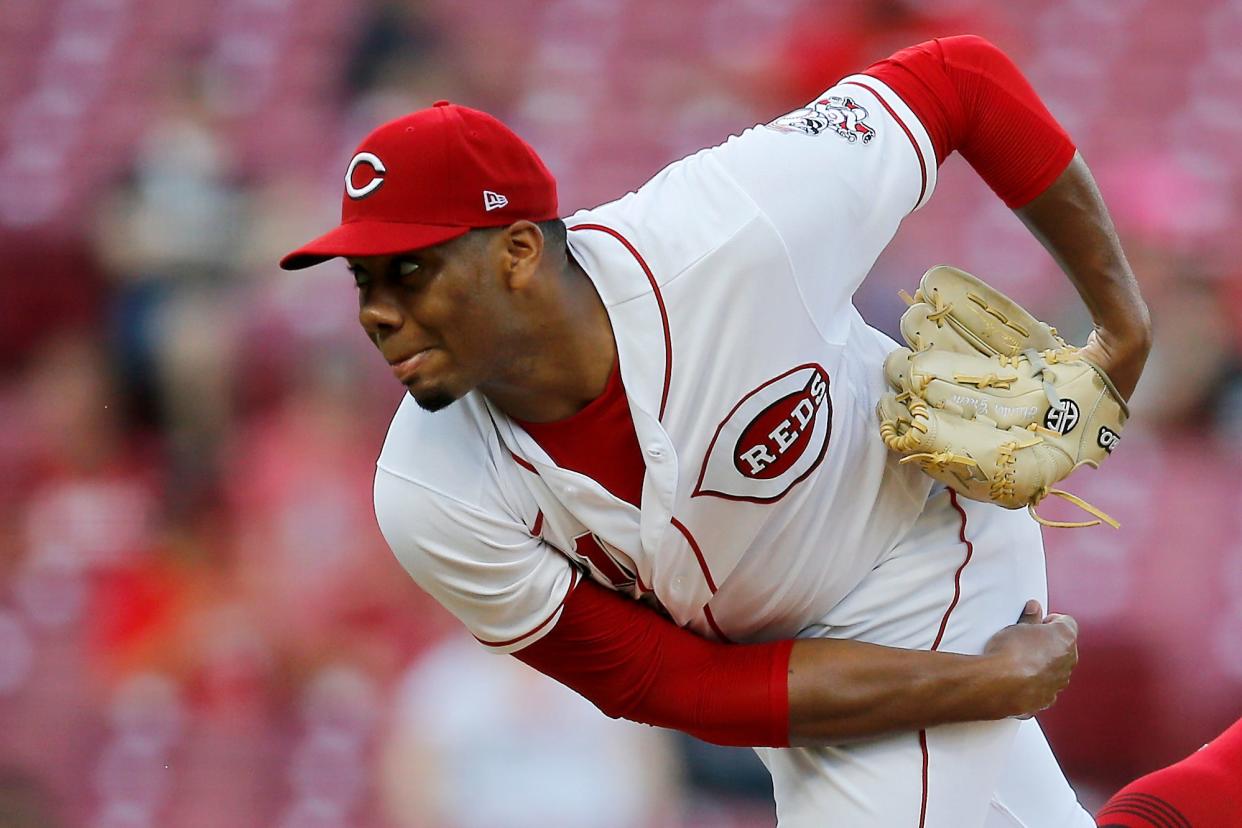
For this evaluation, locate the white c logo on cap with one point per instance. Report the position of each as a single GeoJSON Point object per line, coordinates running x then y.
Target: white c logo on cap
{"type": "Point", "coordinates": [374, 184]}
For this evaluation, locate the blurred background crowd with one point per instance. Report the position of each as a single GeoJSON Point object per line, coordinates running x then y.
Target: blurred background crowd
{"type": "Point", "coordinates": [200, 624]}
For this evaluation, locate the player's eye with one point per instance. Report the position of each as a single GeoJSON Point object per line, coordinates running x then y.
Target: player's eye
{"type": "Point", "coordinates": [406, 267]}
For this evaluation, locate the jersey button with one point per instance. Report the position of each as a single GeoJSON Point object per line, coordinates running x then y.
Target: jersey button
{"type": "Point", "coordinates": [655, 452]}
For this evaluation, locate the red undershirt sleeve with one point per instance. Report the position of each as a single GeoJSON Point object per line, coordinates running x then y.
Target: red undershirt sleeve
{"type": "Point", "coordinates": [970, 97]}
{"type": "Point", "coordinates": [634, 663]}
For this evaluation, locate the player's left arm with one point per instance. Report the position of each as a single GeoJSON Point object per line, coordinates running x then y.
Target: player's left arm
{"type": "Point", "coordinates": [973, 99]}
{"type": "Point", "coordinates": [1071, 221]}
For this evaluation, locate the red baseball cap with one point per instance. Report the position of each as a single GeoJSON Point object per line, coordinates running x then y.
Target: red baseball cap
{"type": "Point", "coordinates": [432, 176]}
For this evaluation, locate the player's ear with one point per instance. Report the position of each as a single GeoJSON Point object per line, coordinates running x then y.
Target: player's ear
{"type": "Point", "coordinates": [522, 251]}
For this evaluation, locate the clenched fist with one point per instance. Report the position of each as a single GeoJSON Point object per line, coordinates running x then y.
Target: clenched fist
{"type": "Point", "coordinates": [1037, 655]}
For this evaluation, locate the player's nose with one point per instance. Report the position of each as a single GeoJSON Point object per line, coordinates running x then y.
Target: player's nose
{"type": "Point", "coordinates": [378, 313]}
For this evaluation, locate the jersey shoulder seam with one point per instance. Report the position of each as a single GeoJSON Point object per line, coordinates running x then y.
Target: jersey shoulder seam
{"type": "Point", "coordinates": [470, 507]}
{"type": "Point", "coordinates": [930, 169]}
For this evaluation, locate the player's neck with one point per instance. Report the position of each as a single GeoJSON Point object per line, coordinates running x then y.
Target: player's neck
{"type": "Point", "coordinates": [569, 355]}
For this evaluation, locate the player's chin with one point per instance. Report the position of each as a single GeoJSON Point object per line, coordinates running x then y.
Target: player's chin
{"type": "Point", "coordinates": [432, 399]}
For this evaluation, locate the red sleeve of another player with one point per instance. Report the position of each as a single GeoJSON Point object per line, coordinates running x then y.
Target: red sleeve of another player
{"type": "Point", "coordinates": [634, 663]}
{"type": "Point", "coordinates": [970, 97]}
{"type": "Point", "coordinates": [1200, 791]}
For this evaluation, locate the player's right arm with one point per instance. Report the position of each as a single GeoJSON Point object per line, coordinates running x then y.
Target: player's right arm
{"type": "Point", "coordinates": [517, 594]}
{"type": "Point", "coordinates": [634, 663]}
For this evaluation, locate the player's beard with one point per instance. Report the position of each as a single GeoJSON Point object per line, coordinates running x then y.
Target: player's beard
{"type": "Point", "coordinates": [433, 401]}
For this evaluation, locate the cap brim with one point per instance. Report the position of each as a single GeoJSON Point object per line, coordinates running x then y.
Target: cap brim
{"type": "Point", "coordinates": [370, 238]}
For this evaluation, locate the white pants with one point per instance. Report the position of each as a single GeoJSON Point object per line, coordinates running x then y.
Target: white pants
{"type": "Point", "coordinates": [938, 591]}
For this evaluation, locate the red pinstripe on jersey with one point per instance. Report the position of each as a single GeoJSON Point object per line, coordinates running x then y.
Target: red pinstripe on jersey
{"type": "Point", "coordinates": [918, 153]}
{"type": "Point", "coordinates": [711, 622]}
{"type": "Point", "coordinates": [698, 553]}
{"type": "Point", "coordinates": [707, 575]}
{"type": "Point", "coordinates": [944, 623]}
{"type": "Point", "coordinates": [524, 463]}
{"type": "Point", "coordinates": [926, 762]}
{"type": "Point", "coordinates": [957, 576]}
{"type": "Point", "coordinates": [655, 289]}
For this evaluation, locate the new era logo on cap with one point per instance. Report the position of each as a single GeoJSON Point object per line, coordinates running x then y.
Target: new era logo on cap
{"type": "Point", "coordinates": [493, 201]}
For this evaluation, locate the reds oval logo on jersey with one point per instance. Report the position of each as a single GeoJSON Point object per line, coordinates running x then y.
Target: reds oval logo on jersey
{"type": "Point", "coordinates": [772, 438]}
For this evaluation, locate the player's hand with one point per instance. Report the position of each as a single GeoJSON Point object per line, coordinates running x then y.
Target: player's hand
{"type": "Point", "coordinates": [1121, 357]}
{"type": "Point", "coordinates": [1034, 658]}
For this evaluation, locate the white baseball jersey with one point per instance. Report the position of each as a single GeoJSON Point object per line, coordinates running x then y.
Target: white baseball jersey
{"type": "Point", "coordinates": [770, 506]}
{"type": "Point", "coordinates": [751, 379]}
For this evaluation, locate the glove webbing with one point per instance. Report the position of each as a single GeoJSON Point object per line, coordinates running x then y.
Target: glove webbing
{"type": "Point", "coordinates": [942, 311]}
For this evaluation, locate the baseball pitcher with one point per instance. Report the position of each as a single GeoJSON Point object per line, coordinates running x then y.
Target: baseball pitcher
{"type": "Point", "coordinates": [640, 447]}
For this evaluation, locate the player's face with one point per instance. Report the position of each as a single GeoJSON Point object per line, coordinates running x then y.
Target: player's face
{"type": "Point", "coordinates": [437, 315]}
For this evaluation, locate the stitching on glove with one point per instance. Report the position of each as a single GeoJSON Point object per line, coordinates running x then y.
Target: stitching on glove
{"type": "Point", "coordinates": [982, 303]}
{"type": "Point", "coordinates": [941, 311]}
{"type": "Point", "coordinates": [939, 460]}
{"type": "Point", "coordinates": [988, 381]}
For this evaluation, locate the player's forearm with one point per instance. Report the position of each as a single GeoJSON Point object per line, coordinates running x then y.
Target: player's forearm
{"type": "Point", "coordinates": [634, 663]}
{"type": "Point", "coordinates": [846, 690]}
{"type": "Point", "coordinates": [1071, 221]}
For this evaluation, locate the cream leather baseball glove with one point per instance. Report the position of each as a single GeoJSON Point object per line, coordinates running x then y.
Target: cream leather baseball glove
{"type": "Point", "coordinates": [993, 402]}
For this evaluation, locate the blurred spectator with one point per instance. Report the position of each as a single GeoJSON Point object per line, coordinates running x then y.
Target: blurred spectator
{"type": "Point", "coordinates": [399, 61]}
{"type": "Point", "coordinates": [179, 215]}
{"type": "Point", "coordinates": [170, 238]}
{"type": "Point", "coordinates": [391, 32]}
{"type": "Point", "coordinates": [479, 740]}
